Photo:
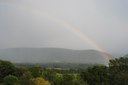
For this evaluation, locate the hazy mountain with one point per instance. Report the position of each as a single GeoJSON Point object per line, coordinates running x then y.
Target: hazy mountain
{"type": "Point", "coordinates": [126, 55]}
{"type": "Point", "coordinates": [58, 55]}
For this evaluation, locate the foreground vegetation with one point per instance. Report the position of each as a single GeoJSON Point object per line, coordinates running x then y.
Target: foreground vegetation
{"type": "Point", "coordinates": [114, 74]}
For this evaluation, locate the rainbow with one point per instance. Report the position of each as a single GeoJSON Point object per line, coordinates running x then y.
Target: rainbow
{"type": "Point", "coordinates": [69, 27]}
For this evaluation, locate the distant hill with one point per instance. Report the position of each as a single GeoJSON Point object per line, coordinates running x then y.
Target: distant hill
{"type": "Point", "coordinates": [126, 55]}
{"type": "Point", "coordinates": [52, 55]}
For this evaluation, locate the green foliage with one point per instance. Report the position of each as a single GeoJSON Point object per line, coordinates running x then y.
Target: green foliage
{"type": "Point", "coordinates": [114, 74]}
{"type": "Point", "coordinates": [10, 80]}
{"type": "Point", "coordinates": [36, 71]}
{"type": "Point", "coordinates": [52, 77]}
{"type": "Point", "coordinates": [71, 79]}
{"type": "Point", "coordinates": [97, 75]}
{"type": "Point", "coordinates": [20, 71]}
{"type": "Point", "coordinates": [118, 65]}
{"type": "Point", "coordinates": [25, 79]}
{"type": "Point", "coordinates": [119, 71]}
{"type": "Point", "coordinates": [67, 79]}
{"type": "Point", "coordinates": [6, 68]}
{"type": "Point", "coordinates": [39, 81]}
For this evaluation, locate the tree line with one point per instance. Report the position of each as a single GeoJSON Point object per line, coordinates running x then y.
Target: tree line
{"type": "Point", "coordinates": [116, 73]}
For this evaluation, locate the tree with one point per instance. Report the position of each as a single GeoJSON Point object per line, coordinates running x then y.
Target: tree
{"type": "Point", "coordinates": [6, 68]}
{"type": "Point", "coordinates": [97, 75]}
{"type": "Point", "coordinates": [71, 79]}
{"type": "Point", "coordinates": [10, 80]}
{"type": "Point", "coordinates": [118, 69]}
{"type": "Point", "coordinates": [36, 71]}
{"type": "Point", "coordinates": [39, 81]}
{"type": "Point", "coordinates": [20, 71]}
{"type": "Point", "coordinates": [118, 65]}
{"type": "Point", "coordinates": [52, 77]}
{"type": "Point", "coordinates": [25, 79]}
{"type": "Point", "coordinates": [67, 79]}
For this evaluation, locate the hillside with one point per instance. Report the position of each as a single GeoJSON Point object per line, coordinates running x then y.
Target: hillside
{"type": "Point", "coordinates": [52, 55]}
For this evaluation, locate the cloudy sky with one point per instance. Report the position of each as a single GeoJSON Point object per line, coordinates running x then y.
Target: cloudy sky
{"type": "Point", "coordinates": [53, 23]}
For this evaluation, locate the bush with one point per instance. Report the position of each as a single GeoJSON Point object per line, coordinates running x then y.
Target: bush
{"type": "Point", "coordinates": [39, 81]}
{"type": "Point", "coordinates": [10, 80]}
{"type": "Point", "coordinates": [6, 68]}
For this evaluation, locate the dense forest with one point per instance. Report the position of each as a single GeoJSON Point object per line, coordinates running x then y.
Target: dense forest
{"type": "Point", "coordinates": [115, 73]}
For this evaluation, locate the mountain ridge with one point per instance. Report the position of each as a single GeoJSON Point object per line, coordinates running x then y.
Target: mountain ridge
{"type": "Point", "coordinates": [48, 55]}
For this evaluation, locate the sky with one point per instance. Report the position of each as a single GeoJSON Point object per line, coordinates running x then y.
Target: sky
{"type": "Point", "coordinates": [65, 24]}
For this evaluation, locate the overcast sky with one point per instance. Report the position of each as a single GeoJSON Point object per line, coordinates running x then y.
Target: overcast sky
{"type": "Point", "coordinates": [40, 23]}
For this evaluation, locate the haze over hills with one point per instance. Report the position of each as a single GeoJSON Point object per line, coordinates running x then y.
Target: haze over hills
{"type": "Point", "coordinates": [52, 55]}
